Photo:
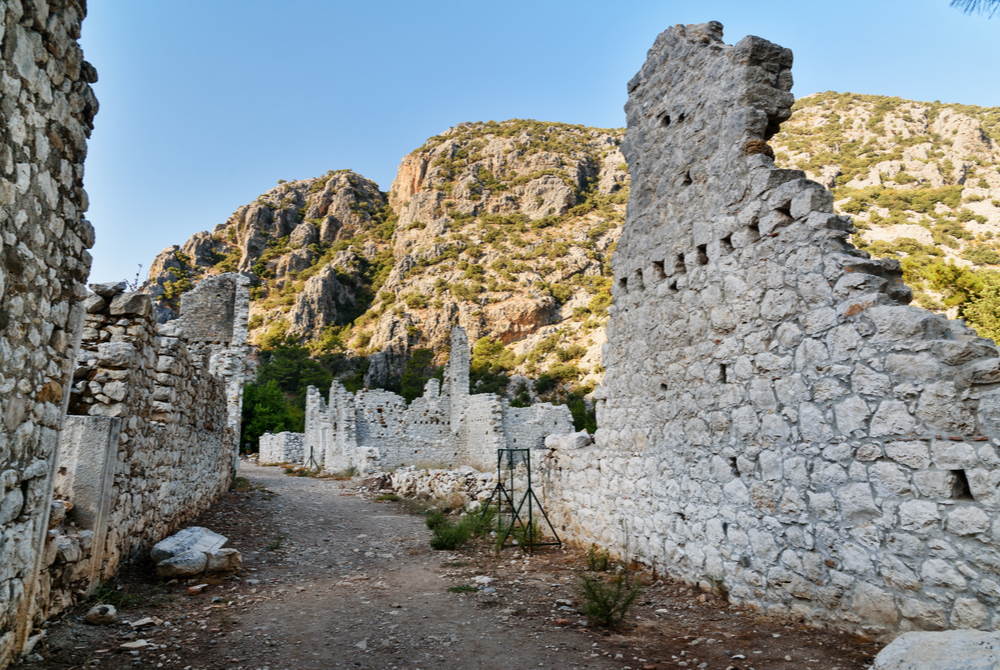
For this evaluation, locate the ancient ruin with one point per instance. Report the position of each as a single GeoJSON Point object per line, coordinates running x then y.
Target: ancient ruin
{"type": "Point", "coordinates": [447, 426]}
{"type": "Point", "coordinates": [48, 110]}
{"type": "Point", "coordinates": [775, 421]}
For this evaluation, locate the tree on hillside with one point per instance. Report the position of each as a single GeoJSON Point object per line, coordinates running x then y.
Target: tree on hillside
{"type": "Point", "coordinates": [987, 7]}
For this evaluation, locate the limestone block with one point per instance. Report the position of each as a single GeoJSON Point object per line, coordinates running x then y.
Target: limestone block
{"type": "Point", "coordinates": [184, 564]}
{"type": "Point", "coordinates": [944, 650]}
{"type": "Point", "coordinates": [192, 538]}
{"type": "Point", "coordinates": [968, 520]}
{"type": "Point", "coordinates": [132, 304]}
{"type": "Point", "coordinates": [224, 560]}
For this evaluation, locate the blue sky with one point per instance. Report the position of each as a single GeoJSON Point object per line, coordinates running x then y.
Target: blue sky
{"type": "Point", "coordinates": [207, 103]}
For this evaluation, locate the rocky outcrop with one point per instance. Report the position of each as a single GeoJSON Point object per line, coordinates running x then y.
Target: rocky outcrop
{"type": "Point", "coordinates": [507, 229]}
{"type": "Point", "coordinates": [503, 228]}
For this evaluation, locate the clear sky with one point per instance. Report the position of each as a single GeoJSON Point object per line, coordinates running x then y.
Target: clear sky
{"type": "Point", "coordinates": [207, 103]}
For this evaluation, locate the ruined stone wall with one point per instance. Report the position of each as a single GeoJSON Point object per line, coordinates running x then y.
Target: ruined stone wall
{"type": "Point", "coordinates": [47, 108]}
{"type": "Point", "coordinates": [149, 443]}
{"type": "Point", "coordinates": [775, 421]}
{"type": "Point", "coordinates": [284, 447]}
{"type": "Point", "coordinates": [377, 429]}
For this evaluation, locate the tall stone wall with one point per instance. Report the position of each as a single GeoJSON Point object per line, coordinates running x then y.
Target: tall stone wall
{"type": "Point", "coordinates": [47, 108]}
{"type": "Point", "coordinates": [775, 421]}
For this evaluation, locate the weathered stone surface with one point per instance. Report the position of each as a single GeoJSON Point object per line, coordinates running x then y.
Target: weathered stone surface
{"type": "Point", "coordinates": [944, 650]}
{"type": "Point", "coordinates": [47, 115]}
{"type": "Point", "coordinates": [101, 614]}
{"type": "Point", "coordinates": [763, 373]}
{"type": "Point", "coordinates": [193, 538]}
{"type": "Point", "coordinates": [184, 564]}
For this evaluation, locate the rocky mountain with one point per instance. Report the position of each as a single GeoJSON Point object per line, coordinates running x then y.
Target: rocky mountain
{"type": "Point", "coordinates": [504, 228]}
{"type": "Point", "coordinates": [507, 229]}
{"type": "Point", "coordinates": [921, 179]}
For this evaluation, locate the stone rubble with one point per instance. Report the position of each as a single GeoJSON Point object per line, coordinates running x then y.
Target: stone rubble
{"type": "Point", "coordinates": [941, 650]}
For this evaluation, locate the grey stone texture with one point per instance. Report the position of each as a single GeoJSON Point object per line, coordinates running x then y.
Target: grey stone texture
{"type": "Point", "coordinates": [284, 447]}
{"type": "Point", "coordinates": [151, 438]}
{"type": "Point", "coordinates": [376, 429]}
{"type": "Point", "coordinates": [47, 109]}
{"type": "Point", "coordinates": [775, 421]}
{"type": "Point", "coordinates": [944, 650]}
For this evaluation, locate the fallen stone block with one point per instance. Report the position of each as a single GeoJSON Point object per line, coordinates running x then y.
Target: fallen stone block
{"type": "Point", "coordinates": [941, 650]}
{"type": "Point", "coordinates": [193, 538]}
{"type": "Point", "coordinates": [224, 560]}
{"type": "Point", "coordinates": [101, 614]}
{"type": "Point", "coordinates": [183, 565]}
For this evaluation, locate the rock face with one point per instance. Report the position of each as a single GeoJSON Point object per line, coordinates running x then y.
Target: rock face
{"type": "Point", "coordinates": [502, 228]}
{"type": "Point", "coordinates": [775, 420]}
{"type": "Point", "coordinates": [945, 650]}
{"type": "Point", "coordinates": [920, 177]}
{"type": "Point", "coordinates": [47, 109]}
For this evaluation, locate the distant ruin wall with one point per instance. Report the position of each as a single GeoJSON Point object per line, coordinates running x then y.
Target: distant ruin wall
{"type": "Point", "coordinates": [774, 420]}
{"type": "Point", "coordinates": [47, 110]}
{"type": "Point", "coordinates": [377, 429]}
{"type": "Point", "coordinates": [149, 443]}
{"type": "Point", "coordinates": [284, 447]}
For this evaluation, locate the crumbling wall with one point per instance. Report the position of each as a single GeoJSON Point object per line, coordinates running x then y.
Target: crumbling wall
{"type": "Point", "coordinates": [149, 442]}
{"type": "Point", "coordinates": [284, 447]}
{"type": "Point", "coordinates": [775, 420]}
{"type": "Point", "coordinates": [378, 429]}
{"type": "Point", "coordinates": [47, 108]}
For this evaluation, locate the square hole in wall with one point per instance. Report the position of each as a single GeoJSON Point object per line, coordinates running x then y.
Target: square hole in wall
{"type": "Point", "coordinates": [686, 179]}
{"type": "Point", "coordinates": [960, 489]}
{"type": "Point", "coordinates": [623, 282]}
{"type": "Point", "coordinates": [754, 230]}
{"type": "Point", "coordinates": [726, 244]}
{"type": "Point", "coordinates": [658, 270]}
{"type": "Point", "coordinates": [679, 266]}
{"type": "Point", "coordinates": [702, 254]}
{"type": "Point", "coordinates": [639, 283]}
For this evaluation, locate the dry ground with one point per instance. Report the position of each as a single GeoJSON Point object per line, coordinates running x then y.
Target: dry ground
{"type": "Point", "coordinates": [333, 579]}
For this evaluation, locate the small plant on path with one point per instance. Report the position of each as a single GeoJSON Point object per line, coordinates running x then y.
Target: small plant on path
{"type": "Point", "coordinates": [606, 600]}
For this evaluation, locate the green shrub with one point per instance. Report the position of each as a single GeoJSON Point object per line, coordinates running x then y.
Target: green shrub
{"type": "Point", "coordinates": [598, 560]}
{"type": "Point", "coordinates": [606, 601]}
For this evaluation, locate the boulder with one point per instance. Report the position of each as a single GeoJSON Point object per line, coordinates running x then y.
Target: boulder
{"type": "Point", "coordinates": [224, 560]}
{"type": "Point", "coordinates": [101, 614]}
{"type": "Point", "coordinates": [941, 650]}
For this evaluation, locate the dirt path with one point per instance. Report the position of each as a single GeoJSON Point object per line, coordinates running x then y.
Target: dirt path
{"type": "Point", "coordinates": [332, 579]}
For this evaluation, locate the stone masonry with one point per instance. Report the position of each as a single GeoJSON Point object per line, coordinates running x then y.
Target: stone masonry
{"type": "Point", "coordinates": [775, 421]}
{"type": "Point", "coordinates": [376, 429]}
{"type": "Point", "coordinates": [152, 433]}
{"type": "Point", "coordinates": [47, 108]}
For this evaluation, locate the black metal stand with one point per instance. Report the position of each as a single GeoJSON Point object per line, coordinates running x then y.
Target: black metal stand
{"type": "Point", "coordinates": [504, 495]}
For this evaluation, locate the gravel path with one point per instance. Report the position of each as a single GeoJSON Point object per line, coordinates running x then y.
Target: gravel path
{"type": "Point", "coordinates": [366, 591]}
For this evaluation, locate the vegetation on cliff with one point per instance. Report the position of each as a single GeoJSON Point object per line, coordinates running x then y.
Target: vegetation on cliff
{"type": "Point", "coordinates": [507, 228]}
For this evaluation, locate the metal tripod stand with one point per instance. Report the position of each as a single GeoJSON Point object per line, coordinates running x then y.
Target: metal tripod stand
{"type": "Point", "coordinates": [514, 511]}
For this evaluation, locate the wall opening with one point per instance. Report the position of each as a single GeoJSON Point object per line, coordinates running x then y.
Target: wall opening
{"type": "Point", "coordinates": [726, 244]}
{"type": "Point", "coordinates": [664, 120]}
{"type": "Point", "coordinates": [733, 468]}
{"type": "Point", "coordinates": [658, 270]}
{"type": "Point", "coordinates": [623, 282]}
{"type": "Point", "coordinates": [754, 230]}
{"type": "Point", "coordinates": [639, 283]}
{"type": "Point", "coordinates": [723, 373]}
{"type": "Point", "coordinates": [686, 181]}
{"type": "Point", "coordinates": [702, 254]}
{"type": "Point", "coordinates": [679, 266]}
{"type": "Point", "coordinates": [960, 489]}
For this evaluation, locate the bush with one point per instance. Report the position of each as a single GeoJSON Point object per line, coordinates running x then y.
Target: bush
{"type": "Point", "coordinates": [607, 601]}
{"type": "Point", "coordinates": [598, 560]}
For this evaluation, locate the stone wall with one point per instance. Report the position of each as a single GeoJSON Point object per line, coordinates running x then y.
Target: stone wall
{"type": "Point", "coordinates": [47, 108]}
{"type": "Point", "coordinates": [284, 447]}
{"type": "Point", "coordinates": [775, 421]}
{"type": "Point", "coordinates": [376, 429]}
{"type": "Point", "coordinates": [150, 440]}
